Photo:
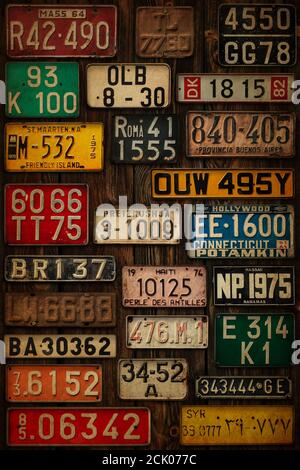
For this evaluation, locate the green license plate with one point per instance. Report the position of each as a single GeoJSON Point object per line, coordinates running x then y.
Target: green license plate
{"type": "Point", "coordinates": [42, 89]}
{"type": "Point", "coordinates": [254, 340]}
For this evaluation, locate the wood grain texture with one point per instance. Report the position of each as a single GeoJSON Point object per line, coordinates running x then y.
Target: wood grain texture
{"type": "Point", "coordinates": [134, 181]}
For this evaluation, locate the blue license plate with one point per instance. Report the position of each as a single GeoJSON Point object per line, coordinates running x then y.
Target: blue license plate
{"type": "Point", "coordinates": [238, 231]}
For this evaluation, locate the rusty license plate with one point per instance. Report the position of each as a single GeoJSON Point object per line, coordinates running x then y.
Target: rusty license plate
{"type": "Point", "coordinates": [244, 387]}
{"type": "Point", "coordinates": [78, 426]}
{"type": "Point", "coordinates": [257, 35]}
{"type": "Point", "coordinates": [128, 85]}
{"type": "Point", "coordinates": [142, 139]}
{"type": "Point", "coordinates": [60, 346]}
{"type": "Point", "coordinates": [54, 383]}
{"type": "Point", "coordinates": [254, 285]}
{"type": "Point", "coordinates": [61, 31]}
{"type": "Point", "coordinates": [166, 31]}
{"type": "Point", "coordinates": [149, 226]}
{"type": "Point", "coordinates": [46, 214]}
{"type": "Point", "coordinates": [54, 146]}
{"type": "Point", "coordinates": [152, 379]}
{"type": "Point", "coordinates": [247, 134]}
{"type": "Point", "coordinates": [167, 332]}
{"type": "Point", "coordinates": [234, 88]}
{"type": "Point", "coordinates": [219, 184]}
{"type": "Point", "coordinates": [237, 425]}
{"type": "Point", "coordinates": [65, 268]}
{"type": "Point", "coordinates": [54, 309]}
{"type": "Point", "coordinates": [163, 286]}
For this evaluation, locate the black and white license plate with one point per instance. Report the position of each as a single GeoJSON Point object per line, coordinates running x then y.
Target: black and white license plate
{"type": "Point", "coordinates": [152, 379]}
{"type": "Point", "coordinates": [262, 34]}
{"type": "Point", "coordinates": [144, 139]}
{"type": "Point", "coordinates": [254, 285]}
{"type": "Point", "coordinates": [128, 85]}
{"type": "Point", "coordinates": [246, 387]}
{"type": "Point", "coordinates": [241, 231]}
{"type": "Point", "coordinates": [60, 346]}
{"type": "Point", "coordinates": [64, 268]}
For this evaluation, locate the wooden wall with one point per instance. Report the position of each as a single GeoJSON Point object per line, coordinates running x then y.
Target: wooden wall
{"type": "Point", "coordinates": [134, 181]}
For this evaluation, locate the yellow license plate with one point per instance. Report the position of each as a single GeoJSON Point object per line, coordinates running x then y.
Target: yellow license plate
{"type": "Point", "coordinates": [55, 146]}
{"type": "Point", "coordinates": [219, 184]}
{"type": "Point", "coordinates": [234, 425]}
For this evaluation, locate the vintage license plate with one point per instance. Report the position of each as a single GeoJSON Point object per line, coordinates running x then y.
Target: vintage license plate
{"type": "Point", "coordinates": [254, 387]}
{"type": "Point", "coordinates": [262, 34]}
{"type": "Point", "coordinates": [142, 139]}
{"type": "Point", "coordinates": [61, 31]}
{"type": "Point", "coordinates": [237, 425]}
{"type": "Point", "coordinates": [60, 346]}
{"type": "Point", "coordinates": [152, 379]}
{"type": "Point", "coordinates": [128, 85]}
{"type": "Point", "coordinates": [245, 231]}
{"type": "Point", "coordinates": [54, 146]}
{"type": "Point", "coordinates": [234, 88]}
{"type": "Point", "coordinates": [46, 214]}
{"type": "Point", "coordinates": [254, 285]}
{"type": "Point", "coordinates": [220, 184]}
{"type": "Point", "coordinates": [66, 268]}
{"type": "Point", "coordinates": [166, 31]}
{"type": "Point", "coordinates": [166, 332]}
{"type": "Point", "coordinates": [42, 89]}
{"type": "Point", "coordinates": [248, 134]}
{"type": "Point", "coordinates": [254, 340]}
{"type": "Point", "coordinates": [78, 426]}
{"type": "Point", "coordinates": [164, 286]}
{"type": "Point", "coordinates": [55, 309]}
{"type": "Point", "coordinates": [138, 226]}
{"type": "Point", "coordinates": [54, 383]}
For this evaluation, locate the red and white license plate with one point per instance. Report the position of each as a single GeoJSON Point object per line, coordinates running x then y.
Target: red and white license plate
{"type": "Point", "coordinates": [78, 426]}
{"type": "Point", "coordinates": [46, 214]}
{"type": "Point", "coordinates": [234, 88]}
{"type": "Point", "coordinates": [61, 31]}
